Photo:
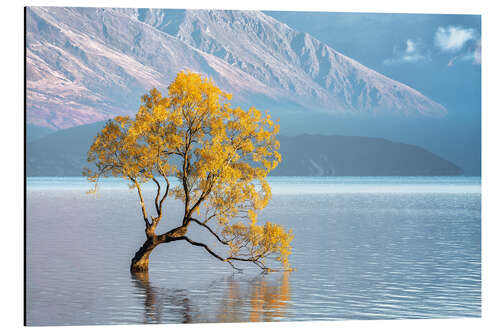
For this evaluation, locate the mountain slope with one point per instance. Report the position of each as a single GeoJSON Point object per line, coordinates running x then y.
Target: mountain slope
{"type": "Point", "coordinates": [87, 64]}
{"type": "Point", "coordinates": [307, 69]}
{"type": "Point", "coordinates": [64, 152]}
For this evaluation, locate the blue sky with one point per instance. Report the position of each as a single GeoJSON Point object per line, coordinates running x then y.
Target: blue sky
{"type": "Point", "coordinates": [439, 55]}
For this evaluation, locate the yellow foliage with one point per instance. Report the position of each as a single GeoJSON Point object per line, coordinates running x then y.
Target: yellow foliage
{"type": "Point", "coordinates": [220, 155]}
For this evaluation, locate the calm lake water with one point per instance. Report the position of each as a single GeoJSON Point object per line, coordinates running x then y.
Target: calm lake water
{"type": "Point", "coordinates": [364, 248]}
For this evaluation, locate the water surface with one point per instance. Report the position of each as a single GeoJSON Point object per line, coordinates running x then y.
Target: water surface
{"type": "Point", "coordinates": [364, 248]}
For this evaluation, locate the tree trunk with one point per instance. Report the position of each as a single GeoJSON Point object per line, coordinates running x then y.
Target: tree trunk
{"type": "Point", "coordinates": [140, 262]}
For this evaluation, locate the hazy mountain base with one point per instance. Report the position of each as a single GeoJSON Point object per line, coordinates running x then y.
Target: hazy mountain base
{"type": "Point", "coordinates": [34, 132]}
{"type": "Point", "coordinates": [452, 138]}
{"type": "Point", "coordinates": [63, 153]}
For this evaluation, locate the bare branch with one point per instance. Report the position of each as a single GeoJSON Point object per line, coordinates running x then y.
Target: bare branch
{"type": "Point", "coordinates": [164, 194]}
{"type": "Point", "coordinates": [211, 231]}
{"type": "Point", "coordinates": [185, 167]}
{"type": "Point", "coordinates": [211, 252]}
{"type": "Point", "coordinates": [143, 207]}
{"type": "Point", "coordinates": [158, 189]}
{"type": "Point", "coordinates": [254, 260]}
{"type": "Point", "coordinates": [200, 199]}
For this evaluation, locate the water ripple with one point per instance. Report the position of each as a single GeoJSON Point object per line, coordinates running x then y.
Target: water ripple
{"type": "Point", "coordinates": [357, 256]}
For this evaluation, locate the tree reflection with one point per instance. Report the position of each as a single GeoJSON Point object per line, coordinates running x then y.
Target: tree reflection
{"type": "Point", "coordinates": [177, 301]}
{"type": "Point", "coordinates": [262, 298]}
{"type": "Point", "coordinates": [264, 301]}
{"type": "Point", "coordinates": [270, 302]}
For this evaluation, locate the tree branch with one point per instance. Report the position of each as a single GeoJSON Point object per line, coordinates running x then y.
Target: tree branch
{"type": "Point", "coordinates": [166, 192]}
{"type": "Point", "coordinates": [210, 251]}
{"type": "Point", "coordinates": [254, 260]}
{"type": "Point", "coordinates": [209, 229]}
{"type": "Point", "coordinates": [158, 189]}
{"type": "Point", "coordinates": [185, 176]}
{"type": "Point", "coordinates": [143, 207]}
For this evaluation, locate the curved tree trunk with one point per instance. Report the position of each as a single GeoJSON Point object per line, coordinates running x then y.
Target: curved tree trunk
{"type": "Point", "coordinates": [140, 262]}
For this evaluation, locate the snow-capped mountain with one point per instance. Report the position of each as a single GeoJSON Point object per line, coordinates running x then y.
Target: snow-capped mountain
{"type": "Point", "coordinates": [88, 64]}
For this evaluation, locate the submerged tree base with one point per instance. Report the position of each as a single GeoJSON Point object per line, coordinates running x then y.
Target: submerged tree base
{"type": "Point", "coordinates": [140, 261]}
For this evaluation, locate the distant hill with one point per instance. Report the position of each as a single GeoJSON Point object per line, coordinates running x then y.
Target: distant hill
{"type": "Point", "coordinates": [323, 155]}
{"type": "Point", "coordinates": [63, 153]}
{"type": "Point", "coordinates": [34, 132]}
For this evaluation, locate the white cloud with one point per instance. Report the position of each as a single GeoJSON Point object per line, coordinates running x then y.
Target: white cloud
{"type": "Point", "coordinates": [453, 38]}
{"type": "Point", "coordinates": [452, 61]}
{"type": "Point", "coordinates": [471, 54]}
{"type": "Point", "coordinates": [477, 53]}
{"type": "Point", "coordinates": [411, 54]}
{"type": "Point", "coordinates": [410, 46]}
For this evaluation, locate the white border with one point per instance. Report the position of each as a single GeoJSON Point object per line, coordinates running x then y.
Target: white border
{"type": "Point", "coordinates": [12, 161]}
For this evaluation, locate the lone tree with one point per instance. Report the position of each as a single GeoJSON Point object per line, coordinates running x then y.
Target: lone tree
{"type": "Point", "coordinates": [220, 157]}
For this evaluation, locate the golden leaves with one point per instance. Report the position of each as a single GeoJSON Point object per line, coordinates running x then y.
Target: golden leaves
{"type": "Point", "coordinates": [259, 242]}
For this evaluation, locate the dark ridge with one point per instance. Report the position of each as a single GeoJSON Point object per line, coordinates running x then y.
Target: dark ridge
{"type": "Point", "coordinates": [64, 152]}
{"type": "Point", "coordinates": [335, 155]}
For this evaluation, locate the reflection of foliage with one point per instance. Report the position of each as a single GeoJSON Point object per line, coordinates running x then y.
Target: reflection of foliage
{"type": "Point", "coordinates": [221, 157]}
{"type": "Point", "coordinates": [264, 301]}
{"type": "Point", "coordinates": [246, 301]}
{"type": "Point", "coordinates": [269, 302]}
